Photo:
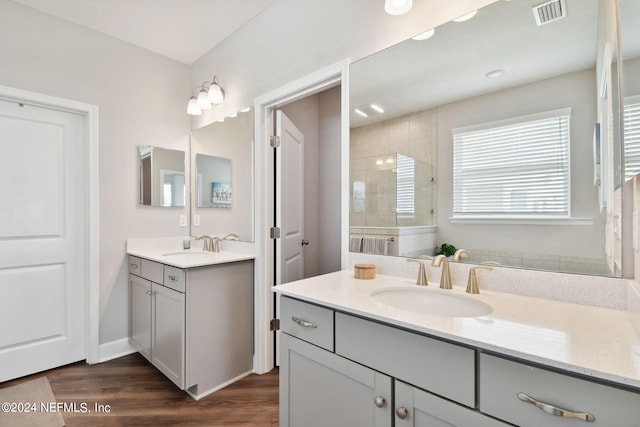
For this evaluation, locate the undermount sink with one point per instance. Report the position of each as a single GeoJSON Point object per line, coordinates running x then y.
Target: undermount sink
{"type": "Point", "coordinates": [431, 302]}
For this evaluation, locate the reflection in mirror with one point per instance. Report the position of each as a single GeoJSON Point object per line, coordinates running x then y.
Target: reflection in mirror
{"type": "Point", "coordinates": [214, 149]}
{"type": "Point", "coordinates": [213, 182]}
{"type": "Point", "coordinates": [162, 176]}
{"type": "Point", "coordinates": [497, 74]}
{"type": "Point", "coordinates": [630, 31]}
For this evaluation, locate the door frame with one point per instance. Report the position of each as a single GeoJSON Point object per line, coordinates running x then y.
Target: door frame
{"type": "Point", "coordinates": [92, 279]}
{"type": "Point", "coordinates": [338, 73]}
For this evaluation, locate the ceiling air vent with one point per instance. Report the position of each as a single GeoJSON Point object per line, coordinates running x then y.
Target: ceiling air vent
{"type": "Point", "coordinates": [550, 11]}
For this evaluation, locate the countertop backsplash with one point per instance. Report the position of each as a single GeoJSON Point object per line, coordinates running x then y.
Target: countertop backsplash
{"type": "Point", "coordinates": [600, 291]}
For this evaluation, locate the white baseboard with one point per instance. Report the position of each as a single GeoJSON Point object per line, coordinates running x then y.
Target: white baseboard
{"type": "Point", "coordinates": [218, 387]}
{"type": "Point", "coordinates": [114, 349]}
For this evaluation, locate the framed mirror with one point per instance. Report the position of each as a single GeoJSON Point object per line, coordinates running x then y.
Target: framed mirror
{"type": "Point", "coordinates": [161, 177]}
{"type": "Point", "coordinates": [531, 205]}
{"type": "Point", "coordinates": [222, 164]}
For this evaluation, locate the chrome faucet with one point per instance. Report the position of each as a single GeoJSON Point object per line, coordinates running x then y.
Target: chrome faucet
{"type": "Point", "coordinates": [445, 277]}
{"type": "Point", "coordinates": [231, 236]}
{"type": "Point", "coordinates": [472, 283]}
{"type": "Point", "coordinates": [422, 272]}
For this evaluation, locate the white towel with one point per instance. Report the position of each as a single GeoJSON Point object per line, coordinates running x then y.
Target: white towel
{"type": "Point", "coordinates": [374, 245]}
{"type": "Point", "coordinates": [355, 244]}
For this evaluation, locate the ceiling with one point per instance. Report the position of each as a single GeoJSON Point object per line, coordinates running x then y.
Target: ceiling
{"type": "Point", "coordinates": [182, 30]}
{"type": "Point", "coordinates": [451, 66]}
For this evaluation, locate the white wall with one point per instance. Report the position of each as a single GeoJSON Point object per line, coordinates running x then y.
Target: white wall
{"type": "Point", "coordinates": [576, 90]}
{"type": "Point", "coordinates": [141, 100]}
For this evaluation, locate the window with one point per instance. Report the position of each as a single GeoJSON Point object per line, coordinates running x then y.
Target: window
{"type": "Point", "coordinates": [518, 168]}
{"type": "Point", "coordinates": [632, 136]}
{"type": "Point", "coordinates": [405, 186]}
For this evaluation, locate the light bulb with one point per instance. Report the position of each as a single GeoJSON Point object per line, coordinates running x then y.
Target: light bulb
{"type": "Point", "coordinates": [203, 100]}
{"type": "Point", "coordinates": [192, 107]}
{"type": "Point", "coordinates": [397, 7]}
{"type": "Point", "coordinates": [215, 94]}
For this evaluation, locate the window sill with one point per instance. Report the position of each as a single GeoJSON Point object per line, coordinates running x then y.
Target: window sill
{"type": "Point", "coordinates": [493, 219]}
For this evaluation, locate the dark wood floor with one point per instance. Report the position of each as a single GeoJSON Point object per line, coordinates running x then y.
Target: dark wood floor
{"type": "Point", "coordinates": [139, 395]}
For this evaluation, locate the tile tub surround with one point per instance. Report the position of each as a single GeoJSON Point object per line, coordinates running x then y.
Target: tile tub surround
{"type": "Point", "coordinates": [154, 248]}
{"type": "Point", "coordinates": [598, 342]}
{"type": "Point", "coordinates": [596, 291]}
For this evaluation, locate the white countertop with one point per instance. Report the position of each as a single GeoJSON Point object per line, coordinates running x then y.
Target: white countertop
{"type": "Point", "coordinates": [593, 341]}
{"type": "Point", "coordinates": [169, 251]}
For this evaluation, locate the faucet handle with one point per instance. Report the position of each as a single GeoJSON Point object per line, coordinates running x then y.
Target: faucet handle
{"type": "Point", "coordinates": [422, 272]}
{"type": "Point", "coordinates": [472, 282]}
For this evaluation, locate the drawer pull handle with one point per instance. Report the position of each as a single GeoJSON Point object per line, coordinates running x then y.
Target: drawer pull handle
{"type": "Point", "coordinates": [173, 278]}
{"type": "Point", "coordinates": [554, 410]}
{"type": "Point", "coordinates": [402, 412]}
{"type": "Point", "coordinates": [380, 401]}
{"type": "Point", "coordinates": [134, 266]}
{"type": "Point", "coordinates": [304, 323]}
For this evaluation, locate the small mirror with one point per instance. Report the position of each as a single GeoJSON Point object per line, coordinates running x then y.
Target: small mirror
{"type": "Point", "coordinates": [162, 176]}
{"type": "Point", "coordinates": [213, 181]}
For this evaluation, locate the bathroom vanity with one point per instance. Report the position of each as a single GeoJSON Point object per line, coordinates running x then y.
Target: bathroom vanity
{"type": "Point", "coordinates": [350, 357]}
{"type": "Point", "coordinates": [191, 315]}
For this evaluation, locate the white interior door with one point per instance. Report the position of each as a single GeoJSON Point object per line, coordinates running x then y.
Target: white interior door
{"type": "Point", "coordinates": [43, 239]}
{"type": "Point", "coordinates": [289, 200]}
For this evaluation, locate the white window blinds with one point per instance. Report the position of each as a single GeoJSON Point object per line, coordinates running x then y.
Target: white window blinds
{"type": "Point", "coordinates": [513, 169]}
{"type": "Point", "coordinates": [405, 185]}
{"type": "Point", "coordinates": [632, 137]}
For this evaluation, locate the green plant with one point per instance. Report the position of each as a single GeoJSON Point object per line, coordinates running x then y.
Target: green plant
{"type": "Point", "coordinates": [445, 249]}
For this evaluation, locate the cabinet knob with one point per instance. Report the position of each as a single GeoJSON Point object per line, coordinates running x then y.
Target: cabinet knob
{"type": "Point", "coordinates": [305, 242]}
{"type": "Point", "coordinates": [380, 401]}
{"type": "Point", "coordinates": [402, 412]}
{"type": "Point", "coordinates": [173, 278]}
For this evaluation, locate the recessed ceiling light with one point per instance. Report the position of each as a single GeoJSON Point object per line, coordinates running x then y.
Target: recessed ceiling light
{"type": "Point", "coordinates": [426, 35]}
{"type": "Point", "coordinates": [377, 108]}
{"type": "Point", "coordinates": [494, 74]}
{"type": "Point", "coordinates": [397, 7]}
{"type": "Point", "coordinates": [466, 17]}
{"type": "Point", "coordinates": [362, 113]}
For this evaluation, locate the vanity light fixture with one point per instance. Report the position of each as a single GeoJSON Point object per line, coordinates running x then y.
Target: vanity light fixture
{"type": "Point", "coordinates": [245, 110]}
{"type": "Point", "coordinates": [397, 7]}
{"type": "Point", "coordinates": [424, 36]}
{"type": "Point", "coordinates": [209, 94]}
{"type": "Point", "coordinates": [466, 17]}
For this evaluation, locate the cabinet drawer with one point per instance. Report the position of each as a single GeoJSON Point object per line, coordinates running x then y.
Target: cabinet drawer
{"type": "Point", "coordinates": [134, 265]}
{"type": "Point", "coordinates": [308, 322]}
{"type": "Point", "coordinates": [174, 278]}
{"type": "Point", "coordinates": [501, 381]}
{"type": "Point", "coordinates": [151, 270]}
{"type": "Point", "coordinates": [439, 367]}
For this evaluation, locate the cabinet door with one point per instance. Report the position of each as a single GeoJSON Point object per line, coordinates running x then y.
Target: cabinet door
{"type": "Point", "coordinates": [168, 333]}
{"type": "Point", "coordinates": [415, 407]}
{"type": "Point", "coordinates": [318, 388]}
{"type": "Point", "coordinates": [140, 315]}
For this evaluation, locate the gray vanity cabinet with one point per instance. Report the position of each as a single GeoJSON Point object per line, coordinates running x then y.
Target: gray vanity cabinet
{"type": "Point", "coordinates": [195, 325]}
{"type": "Point", "coordinates": [319, 389]}
{"type": "Point", "coordinates": [157, 326]}
{"type": "Point", "coordinates": [360, 384]}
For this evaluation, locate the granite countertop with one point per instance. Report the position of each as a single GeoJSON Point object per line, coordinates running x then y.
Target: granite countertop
{"type": "Point", "coordinates": [593, 341]}
{"type": "Point", "coordinates": [169, 251]}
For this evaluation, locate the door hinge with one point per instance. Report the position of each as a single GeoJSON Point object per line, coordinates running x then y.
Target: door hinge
{"type": "Point", "coordinates": [274, 232]}
{"type": "Point", "coordinates": [274, 325]}
{"type": "Point", "coordinates": [274, 141]}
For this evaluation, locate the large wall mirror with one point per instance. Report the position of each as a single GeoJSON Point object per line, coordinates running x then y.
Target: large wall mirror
{"type": "Point", "coordinates": [162, 176]}
{"type": "Point", "coordinates": [222, 161]}
{"type": "Point", "coordinates": [468, 106]}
